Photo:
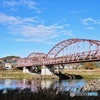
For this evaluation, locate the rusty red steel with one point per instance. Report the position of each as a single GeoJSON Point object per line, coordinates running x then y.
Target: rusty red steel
{"type": "Point", "coordinates": [60, 46]}
{"type": "Point", "coordinates": [53, 57]}
{"type": "Point", "coordinates": [36, 54]}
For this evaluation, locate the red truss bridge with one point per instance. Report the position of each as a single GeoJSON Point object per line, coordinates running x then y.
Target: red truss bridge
{"type": "Point", "coordinates": [68, 51]}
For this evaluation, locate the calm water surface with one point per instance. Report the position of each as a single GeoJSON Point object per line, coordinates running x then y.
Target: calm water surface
{"type": "Point", "coordinates": [33, 84]}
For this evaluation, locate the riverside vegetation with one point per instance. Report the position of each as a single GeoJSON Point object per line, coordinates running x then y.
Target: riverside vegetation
{"type": "Point", "coordinates": [42, 94]}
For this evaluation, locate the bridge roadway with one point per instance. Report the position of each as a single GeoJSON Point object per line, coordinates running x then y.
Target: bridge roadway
{"type": "Point", "coordinates": [74, 58]}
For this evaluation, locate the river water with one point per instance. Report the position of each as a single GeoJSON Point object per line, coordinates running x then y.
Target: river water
{"type": "Point", "coordinates": [34, 84]}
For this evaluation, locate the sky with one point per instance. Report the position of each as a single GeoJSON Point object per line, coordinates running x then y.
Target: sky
{"type": "Point", "coordinates": [28, 26]}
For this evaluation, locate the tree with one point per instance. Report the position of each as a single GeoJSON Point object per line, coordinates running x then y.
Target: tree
{"type": "Point", "coordinates": [1, 65]}
{"type": "Point", "coordinates": [89, 65]}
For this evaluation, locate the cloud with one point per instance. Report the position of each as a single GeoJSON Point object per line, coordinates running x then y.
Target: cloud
{"type": "Point", "coordinates": [40, 33]}
{"type": "Point", "coordinates": [27, 40]}
{"type": "Point", "coordinates": [5, 19]}
{"type": "Point", "coordinates": [9, 19]}
{"type": "Point", "coordinates": [30, 4]}
{"type": "Point", "coordinates": [33, 29]}
{"type": "Point", "coordinates": [69, 33]}
{"type": "Point", "coordinates": [90, 28]}
{"type": "Point", "coordinates": [89, 21]}
{"type": "Point", "coordinates": [33, 40]}
{"type": "Point", "coordinates": [74, 11]}
{"type": "Point", "coordinates": [77, 11]}
{"type": "Point", "coordinates": [9, 3]}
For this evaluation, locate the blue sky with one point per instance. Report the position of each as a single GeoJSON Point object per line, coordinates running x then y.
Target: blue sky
{"type": "Point", "coordinates": [28, 26]}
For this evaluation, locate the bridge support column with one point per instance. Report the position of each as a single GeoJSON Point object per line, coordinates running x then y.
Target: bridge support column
{"type": "Point", "coordinates": [25, 70]}
{"type": "Point", "coordinates": [45, 71]}
{"type": "Point", "coordinates": [58, 69]}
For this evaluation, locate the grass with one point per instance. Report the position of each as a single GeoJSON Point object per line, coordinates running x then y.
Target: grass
{"type": "Point", "coordinates": [18, 74]}
{"type": "Point", "coordinates": [86, 74]}
{"type": "Point", "coordinates": [14, 74]}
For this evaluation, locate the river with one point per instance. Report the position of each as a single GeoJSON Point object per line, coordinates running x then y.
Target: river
{"type": "Point", "coordinates": [34, 84]}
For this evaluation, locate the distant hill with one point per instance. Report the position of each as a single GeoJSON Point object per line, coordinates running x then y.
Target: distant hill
{"type": "Point", "coordinates": [10, 58]}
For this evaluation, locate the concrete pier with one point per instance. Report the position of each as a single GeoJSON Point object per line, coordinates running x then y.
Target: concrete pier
{"type": "Point", "coordinates": [45, 71]}
{"type": "Point", "coordinates": [25, 70]}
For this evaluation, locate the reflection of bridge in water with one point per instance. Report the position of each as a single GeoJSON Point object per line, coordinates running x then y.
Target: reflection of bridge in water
{"type": "Point", "coordinates": [66, 52]}
{"type": "Point", "coordinates": [36, 84]}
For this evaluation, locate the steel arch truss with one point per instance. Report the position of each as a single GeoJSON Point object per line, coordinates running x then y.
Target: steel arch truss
{"type": "Point", "coordinates": [36, 54]}
{"type": "Point", "coordinates": [31, 60]}
{"type": "Point", "coordinates": [91, 45]}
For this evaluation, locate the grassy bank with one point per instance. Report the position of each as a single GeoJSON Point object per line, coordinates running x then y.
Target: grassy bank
{"type": "Point", "coordinates": [18, 74]}
{"type": "Point", "coordinates": [87, 74]}
{"type": "Point", "coordinates": [14, 74]}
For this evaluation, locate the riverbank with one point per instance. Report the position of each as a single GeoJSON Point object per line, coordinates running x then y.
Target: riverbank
{"type": "Point", "coordinates": [14, 74]}
{"type": "Point", "coordinates": [93, 85]}
{"type": "Point", "coordinates": [72, 74]}
{"type": "Point", "coordinates": [86, 74]}
{"type": "Point", "coordinates": [18, 74]}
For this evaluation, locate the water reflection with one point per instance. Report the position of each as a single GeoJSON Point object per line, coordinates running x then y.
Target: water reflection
{"type": "Point", "coordinates": [47, 83]}
{"type": "Point", "coordinates": [70, 84]}
{"type": "Point", "coordinates": [8, 83]}
{"type": "Point", "coordinates": [34, 84]}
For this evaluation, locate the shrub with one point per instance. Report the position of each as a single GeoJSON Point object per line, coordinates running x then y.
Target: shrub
{"type": "Point", "coordinates": [89, 65]}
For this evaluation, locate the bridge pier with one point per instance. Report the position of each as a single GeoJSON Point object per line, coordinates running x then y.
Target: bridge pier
{"type": "Point", "coordinates": [45, 71]}
{"type": "Point", "coordinates": [25, 70]}
{"type": "Point", "coordinates": [58, 69]}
